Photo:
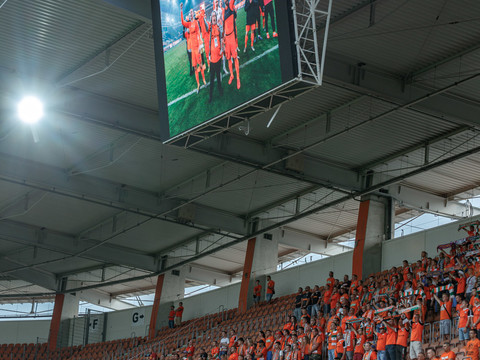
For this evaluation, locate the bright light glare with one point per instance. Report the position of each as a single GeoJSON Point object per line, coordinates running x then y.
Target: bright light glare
{"type": "Point", "coordinates": [30, 109]}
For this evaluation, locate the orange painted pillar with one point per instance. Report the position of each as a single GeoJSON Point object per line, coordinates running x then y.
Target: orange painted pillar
{"type": "Point", "coordinates": [156, 305]}
{"type": "Point", "coordinates": [357, 266]}
{"type": "Point", "coordinates": [247, 270]}
{"type": "Point", "coordinates": [55, 323]}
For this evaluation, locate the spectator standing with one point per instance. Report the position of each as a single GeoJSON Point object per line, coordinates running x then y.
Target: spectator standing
{"type": "Point", "coordinates": [391, 341]}
{"type": "Point", "coordinates": [171, 317]}
{"type": "Point", "coordinates": [179, 314]}
{"type": "Point", "coordinates": [270, 288]}
{"type": "Point", "coordinates": [416, 337]}
{"type": "Point", "coordinates": [306, 300]}
{"type": "Point", "coordinates": [445, 315]}
{"type": "Point", "coordinates": [257, 292]}
{"type": "Point", "coordinates": [315, 299]}
{"type": "Point", "coordinates": [297, 311]}
{"type": "Point", "coordinates": [224, 341]}
{"type": "Point", "coordinates": [470, 283]}
{"type": "Point", "coordinates": [381, 343]}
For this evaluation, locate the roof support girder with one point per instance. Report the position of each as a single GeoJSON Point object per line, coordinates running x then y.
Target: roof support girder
{"type": "Point", "coordinates": [113, 195]}
{"type": "Point", "coordinates": [100, 298]}
{"type": "Point", "coordinates": [422, 201]}
{"type": "Point", "coordinates": [346, 73]}
{"type": "Point", "coordinates": [141, 9]}
{"type": "Point", "coordinates": [70, 246]}
{"type": "Point", "coordinates": [249, 152]}
{"type": "Point", "coordinates": [33, 276]}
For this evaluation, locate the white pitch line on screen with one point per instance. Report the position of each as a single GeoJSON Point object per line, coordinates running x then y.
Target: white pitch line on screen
{"type": "Point", "coordinates": [223, 75]}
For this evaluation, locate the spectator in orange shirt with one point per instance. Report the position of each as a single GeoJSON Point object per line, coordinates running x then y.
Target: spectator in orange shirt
{"type": "Point", "coordinates": [316, 344]}
{"type": "Point", "coordinates": [463, 312]}
{"type": "Point", "coordinates": [369, 353]}
{"type": "Point", "coordinates": [215, 352]}
{"type": "Point", "coordinates": [232, 354]}
{"type": "Point", "coordinates": [171, 317]}
{"type": "Point", "coordinates": [402, 337]}
{"type": "Point", "coordinates": [476, 315]}
{"type": "Point", "coordinates": [381, 341]}
{"type": "Point", "coordinates": [190, 350]}
{"type": "Point", "coordinates": [447, 353]}
{"type": "Point", "coordinates": [473, 345]}
{"type": "Point", "coordinates": [360, 340]}
{"type": "Point", "coordinates": [257, 292]}
{"type": "Point", "coordinates": [179, 314]}
{"type": "Point", "coordinates": [270, 288]}
{"type": "Point", "coordinates": [416, 337]}
{"type": "Point", "coordinates": [431, 354]}
{"type": "Point", "coordinates": [330, 280]}
{"type": "Point", "coordinates": [445, 315]}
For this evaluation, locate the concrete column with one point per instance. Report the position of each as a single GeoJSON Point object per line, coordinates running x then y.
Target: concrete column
{"type": "Point", "coordinates": [70, 306]}
{"type": "Point", "coordinates": [173, 285]}
{"type": "Point", "coordinates": [375, 224]}
{"type": "Point", "coordinates": [65, 308]}
{"type": "Point", "coordinates": [171, 290]}
{"type": "Point", "coordinates": [156, 304]}
{"type": "Point", "coordinates": [265, 258]}
{"type": "Point", "coordinates": [265, 261]}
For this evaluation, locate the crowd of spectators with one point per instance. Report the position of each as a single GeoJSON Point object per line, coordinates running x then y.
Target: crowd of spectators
{"type": "Point", "coordinates": [380, 318]}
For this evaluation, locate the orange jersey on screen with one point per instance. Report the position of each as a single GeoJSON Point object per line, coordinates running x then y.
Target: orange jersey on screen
{"type": "Point", "coordinates": [194, 31]}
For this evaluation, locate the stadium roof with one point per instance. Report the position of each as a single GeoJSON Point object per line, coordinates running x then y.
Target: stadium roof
{"type": "Point", "coordinates": [100, 199]}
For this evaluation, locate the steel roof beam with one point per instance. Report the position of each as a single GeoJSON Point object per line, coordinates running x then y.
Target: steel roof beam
{"type": "Point", "coordinates": [253, 153]}
{"type": "Point", "coordinates": [140, 9]}
{"type": "Point", "coordinates": [101, 298]}
{"type": "Point", "coordinates": [70, 246]}
{"type": "Point", "coordinates": [428, 203]}
{"type": "Point", "coordinates": [114, 195]}
{"type": "Point", "coordinates": [34, 276]}
{"type": "Point", "coordinates": [356, 76]}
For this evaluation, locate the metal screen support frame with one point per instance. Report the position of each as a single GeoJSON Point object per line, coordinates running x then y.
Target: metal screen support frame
{"type": "Point", "coordinates": [308, 19]}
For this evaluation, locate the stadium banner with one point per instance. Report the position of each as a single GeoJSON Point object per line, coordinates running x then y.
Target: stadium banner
{"type": "Point", "coordinates": [213, 56]}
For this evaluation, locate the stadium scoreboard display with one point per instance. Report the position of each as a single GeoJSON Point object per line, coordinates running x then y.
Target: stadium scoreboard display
{"type": "Point", "coordinates": [214, 56]}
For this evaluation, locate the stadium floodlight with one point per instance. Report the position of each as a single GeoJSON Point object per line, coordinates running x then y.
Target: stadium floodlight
{"type": "Point", "coordinates": [30, 109]}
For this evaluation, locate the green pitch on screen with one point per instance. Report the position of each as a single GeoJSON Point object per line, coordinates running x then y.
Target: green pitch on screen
{"type": "Point", "coordinates": [259, 75]}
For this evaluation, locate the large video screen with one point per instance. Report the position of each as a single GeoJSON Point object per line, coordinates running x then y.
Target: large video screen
{"type": "Point", "coordinates": [215, 55]}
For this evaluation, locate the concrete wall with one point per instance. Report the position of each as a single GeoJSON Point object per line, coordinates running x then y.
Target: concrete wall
{"type": "Point", "coordinates": [24, 331]}
{"type": "Point", "coordinates": [127, 323]}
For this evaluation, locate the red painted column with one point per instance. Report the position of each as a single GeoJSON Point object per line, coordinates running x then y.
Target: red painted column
{"type": "Point", "coordinates": [55, 323]}
{"type": "Point", "coordinates": [247, 270]}
{"type": "Point", "coordinates": [156, 304]}
{"type": "Point", "coordinates": [357, 266]}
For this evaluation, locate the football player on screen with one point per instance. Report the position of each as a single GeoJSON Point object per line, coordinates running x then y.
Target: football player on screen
{"type": "Point", "coordinates": [252, 10]}
{"type": "Point", "coordinates": [215, 53]}
{"type": "Point", "coordinates": [231, 40]}
{"type": "Point", "coordinates": [195, 45]}
{"type": "Point", "coordinates": [269, 13]}
{"type": "Point", "coordinates": [202, 20]}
